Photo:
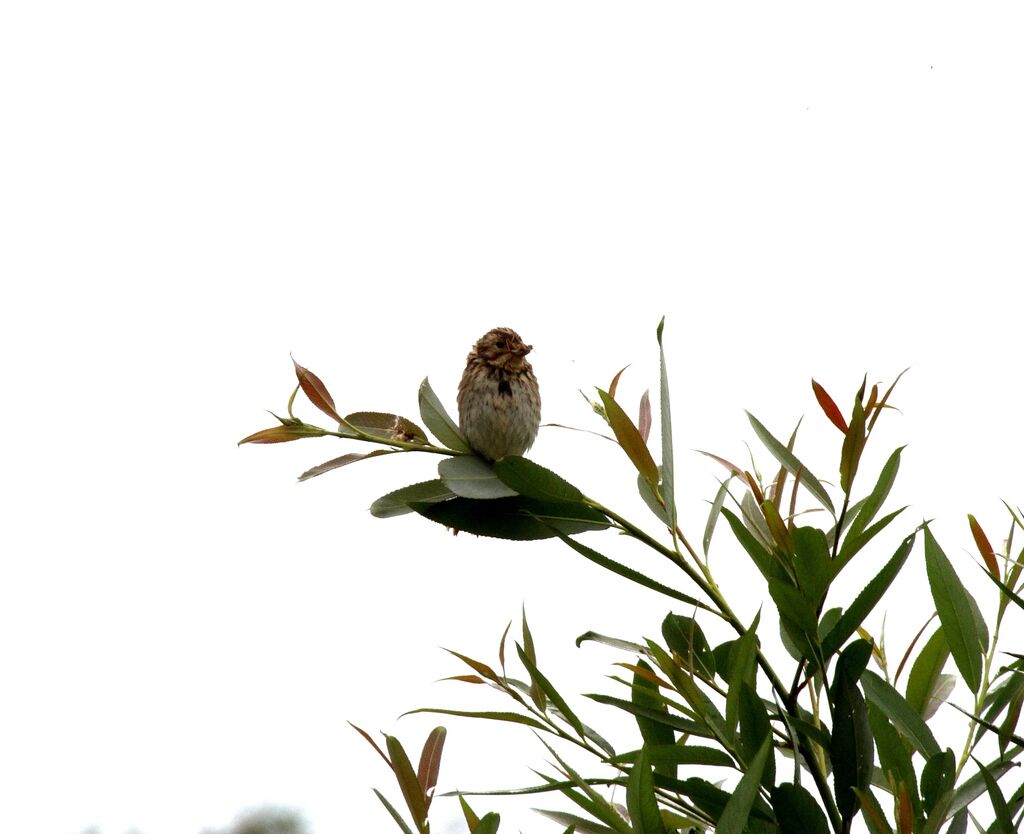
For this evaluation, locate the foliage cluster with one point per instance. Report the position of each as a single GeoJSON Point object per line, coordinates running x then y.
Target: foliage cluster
{"type": "Point", "coordinates": [807, 742]}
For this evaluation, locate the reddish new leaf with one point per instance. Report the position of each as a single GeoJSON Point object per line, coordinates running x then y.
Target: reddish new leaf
{"type": "Point", "coordinates": [430, 761]}
{"type": "Point", "coordinates": [282, 434]}
{"type": "Point", "coordinates": [829, 406]}
{"type": "Point", "coordinates": [644, 424]}
{"type": "Point", "coordinates": [371, 742]}
{"type": "Point", "coordinates": [317, 392]}
{"type": "Point", "coordinates": [984, 548]}
{"type": "Point", "coordinates": [732, 467]}
{"type": "Point", "coordinates": [615, 383]}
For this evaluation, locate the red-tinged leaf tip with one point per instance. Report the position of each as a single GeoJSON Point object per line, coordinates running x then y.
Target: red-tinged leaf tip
{"type": "Point", "coordinates": [644, 424]}
{"type": "Point", "coordinates": [283, 434]}
{"type": "Point", "coordinates": [372, 743]}
{"type": "Point", "coordinates": [829, 406]}
{"type": "Point", "coordinates": [732, 467]}
{"type": "Point", "coordinates": [317, 392]}
{"type": "Point", "coordinates": [615, 383]}
{"type": "Point", "coordinates": [984, 548]}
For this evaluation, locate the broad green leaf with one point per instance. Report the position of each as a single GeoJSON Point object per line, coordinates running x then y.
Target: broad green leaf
{"type": "Point", "coordinates": [412, 791]}
{"type": "Point", "coordinates": [629, 573]}
{"type": "Point", "coordinates": [792, 464]}
{"type": "Point", "coordinates": [926, 674]}
{"type": "Point", "coordinates": [386, 426]}
{"type": "Point", "coordinates": [853, 447]}
{"type": "Point", "coordinates": [937, 778]}
{"type": "Point", "coordinates": [796, 616]}
{"type": "Point", "coordinates": [715, 512]}
{"type": "Point", "coordinates": [812, 563]}
{"type": "Point", "coordinates": [743, 669]}
{"type": "Point", "coordinates": [640, 800]}
{"type": "Point", "coordinates": [955, 607]}
{"type": "Point", "coordinates": [651, 499]}
{"type": "Point", "coordinates": [430, 761]}
{"type": "Point", "coordinates": [655, 734]}
{"type": "Point", "coordinates": [684, 637]}
{"type": "Point", "coordinates": [472, 477]}
{"type": "Point", "coordinates": [394, 813]}
{"type": "Point", "coordinates": [668, 472]}
{"type": "Point", "coordinates": [852, 750]}
{"type": "Point", "coordinates": [797, 811]}
{"type": "Point", "coordinates": [525, 477]}
{"type": "Point", "coordinates": [680, 754]}
{"type": "Point", "coordinates": [873, 503]}
{"type": "Point", "coordinates": [866, 600]}
{"type": "Point", "coordinates": [516, 517]}
{"type": "Point", "coordinates": [488, 824]}
{"type": "Point", "coordinates": [893, 755]}
{"type": "Point", "coordinates": [761, 558]}
{"type": "Point", "coordinates": [737, 809]}
{"type": "Point", "coordinates": [344, 460]}
{"type": "Point", "coordinates": [902, 715]}
{"type": "Point", "coordinates": [399, 501]}
{"type": "Point", "coordinates": [437, 420]}
{"type": "Point", "coordinates": [755, 728]}
{"type": "Point", "coordinates": [629, 439]}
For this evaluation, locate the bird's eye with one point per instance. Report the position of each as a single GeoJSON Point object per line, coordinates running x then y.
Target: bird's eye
{"type": "Point", "coordinates": [500, 345]}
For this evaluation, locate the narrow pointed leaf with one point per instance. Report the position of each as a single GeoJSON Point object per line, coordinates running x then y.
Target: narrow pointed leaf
{"type": "Point", "coordinates": [853, 447]}
{"type": "Point", "coordinates": [283, 434]}
{"type": "Point", "coordinates": [926, 673]}
{"type": "Point", "coordinates": [902, 715]}
{"type": "Point", "coordinates": [668, 470]}
{"type": "Point", "coordinates": [629, 439]}
{"type": "Point", "coordinates": [759, 555]}
{"type": "Point", "coordinates": [955, 608]}
{"type": "Point", "coordinates": [437, 420]}
{"type": "Point", "coordinates": [344, 460]}
{"type": "Point", "coordinates": [644, 418]}
{"type": "Point", "coordinates": [654, 733]}
{"type": "Point", "coordinates": [640, 800]}
{"type": "Point", "coordinates": [399, 502]}
{"type": "Point", "coordinates": [317, 392]}
{"type": "Point", "coordinates": [984, 547]}
{"type": "Point", "coordinates": [852, 748]}
{"type": "Point", "coordinates": [549, 690]}
{"type": "Point", "coordinates": [737, 809]}
{"type": "Point", "coordinates": [472, 477]}
{"type": "Point", "coordinates": [575, 823]}
{"type": "Point", "coordinates": [615, 382]}
{"type": "Point", "coordinates": [651, 498]}
{"type": "Point", "coordinates": [408, 782]}
{"type": "Point", "coordinates": [386, 426]}
{"type": "Point", "coordinates": [680, 754]}
{"type": "Point", "coordinates": [873, 503]}
{"type": "Point", "coordinates": [829, 406]}
{"type": "Point", "coordinates": [371, 742]}
{"type": "Point", "coordinates": [714, 513]}
{"type": "Point", "coordinates": [872, 812]}
{"type": "Point", "coordinates": [507, 717]}
{"type": "Point", "coordinates": [792, 464]}
{"type": "Point", "coordinates": [394, 814]}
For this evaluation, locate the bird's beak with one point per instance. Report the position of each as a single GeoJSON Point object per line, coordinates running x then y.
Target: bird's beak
{"type": "Point", "coordinates": [523, 350]}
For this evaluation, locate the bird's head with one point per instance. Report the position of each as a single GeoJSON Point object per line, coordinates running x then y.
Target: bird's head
{"type": "Point", "coordinates": [502, 348]}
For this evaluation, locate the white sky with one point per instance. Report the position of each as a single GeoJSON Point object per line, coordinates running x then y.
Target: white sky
{"type": "Point", "coordinates": [190, 191]}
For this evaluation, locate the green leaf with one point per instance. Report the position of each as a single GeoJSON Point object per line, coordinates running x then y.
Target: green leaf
{"type": "Point", "coordinates": [412, 791]}
{"type": "Point", "coordinates": [399, 501]}
{"type": "Point", "coordinates": [650, 497]}
{"type": "Point", "coordinates": [903, 716]}
{"type": "Point", "coordinates": [430, 761]}
{"type": "Point", "coordinates": [873, 503]}
{"type": "Point", "coordinates": [629, 439]}
{"type": "Point", "coordinates": [684, 725]}
{"type": "Point", "coordinates": [1004, 822]}
{"type": "Point", "coordinates": [761, 558]}
{"type": "Point", "coordinates": [549, 690]}
{"type": "Point", "coordinates": [640, 800]}
{"type": "Point", "coordinates": [852, 750]}
{"type": "Point", "coordinates": [668, 473]}
{"type": "Point", "coordinates": [755, 728]}
{"type": "Point", "coordinates": [629, 573]}
{"type": "Point", "coordinates": [282, 434]}
{"type": "Point", "coordinates": [507, 717]}
{"type": "Point", "coordinates": [525, 477]}
{"type": "Point", "coordinates": [926, 675]}
{"type": "Point", "coordinates": [716, 511]}
{"type": "Point", "coordinates": [893, 754]}
{"type": "Point", "coordinates": [577, 824]}
{"type": "Point", "coordinates": [955, 607]}
{"type": "Point", "coordinates": [866, 600]}
{"type": "Point", "coordinates": [394, 814]}
{"type": "Point", "coordinates": [797, 812]}
{"type": "Point", "coordinates": [679, 754]}
{"type": "Point", "coordinates": [873, 815]}
{"type": "Point", "coordinates": [975, 786]}
{"type": "Point", "coordinates": [853, 447]}
{"type": "Point", "coordinates": [488, 824]}
{"type": "Point", "coordinates": [792, 464]}
{"type": "Point", "coordinates": [937, 778]}
{"type": "Point", "coordinates": [684, 637]}
{"type": "Point", "coordinates": [737, 809]}
{"type": "Point", "coordinates": [656, 734]}
{"type": "Point", "coordinates": [517, 517]}
{"type": "Point", "coordinates": [742, 669]}
{"type": "Point", "coordinates": [853, 545]}
{"type": "Point", "coordinates": [796, 616]}
{"type": "Point", "coordinates": [437, 420]}
{"type": "Point", "coordinates": [472, 477]}
{"type": "Point", "coordinates": [812, 563]}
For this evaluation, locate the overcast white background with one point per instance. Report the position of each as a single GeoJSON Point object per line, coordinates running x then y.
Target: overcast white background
{"type": "Point", "coordinates": [190, 191]}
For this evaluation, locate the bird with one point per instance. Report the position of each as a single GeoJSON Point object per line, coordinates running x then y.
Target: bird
{"type": "Point", "coordinates": [499, 398]}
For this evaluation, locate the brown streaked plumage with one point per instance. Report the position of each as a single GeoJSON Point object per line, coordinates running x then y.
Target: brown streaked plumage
{"type": "Point", "coordinates": [499, 399]}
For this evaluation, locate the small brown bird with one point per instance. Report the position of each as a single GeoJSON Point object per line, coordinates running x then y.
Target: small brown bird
{"type": "Point", "coordinates": [499, 399]}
